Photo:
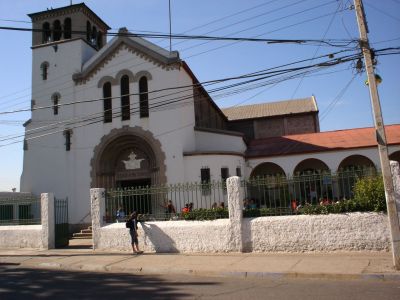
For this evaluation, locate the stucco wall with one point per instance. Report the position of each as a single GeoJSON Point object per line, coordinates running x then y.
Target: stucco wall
{"type": "Point", "coordinates": [193, 165]}
{"type": "Point", "coordinates": [170, 236]}
{"type": "Point", "coordinates": [341, 232]}
{"type": "Point", "coordinates": [21, 236]}
{"type": "Point", "coordinates": [349, 232]}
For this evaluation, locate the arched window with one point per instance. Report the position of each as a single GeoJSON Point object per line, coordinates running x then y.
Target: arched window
{"type": "Point", "coordinates": [143, 98]}
{"type": "Point", "coordinates": [93, 38]}
{"type": "Point", "coordinates": [67, 135]}
{"type": "Point", "coordinates": [67, 28]}
{"type": "Point", "coordinates": [88, 31]}
{"type": "Point", "coordinates": [46, 33]}
{"type": "Point", "coordinates": [44, 68]}
{"type": "Point", "coordinates": [56, 102]}
{"type": "Point", "coordinates": [57, 30]}
{"type": "Point", "coordinates": [125, 105]}
{"type": "Point", "coordinates": [99, 40]}
{"type": "Point", "coordinates": [107, 104]}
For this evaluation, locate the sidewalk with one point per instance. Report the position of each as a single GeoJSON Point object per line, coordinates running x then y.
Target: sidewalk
{"type": "Point", "coordinates": [349, 265]}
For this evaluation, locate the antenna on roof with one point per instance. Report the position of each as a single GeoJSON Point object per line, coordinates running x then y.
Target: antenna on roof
{"type": "Point", "coordinates": [170, 43]}
{"type": "Point", "coordinates": [70, 2]}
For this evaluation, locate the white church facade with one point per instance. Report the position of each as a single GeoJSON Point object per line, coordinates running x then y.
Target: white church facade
{"type": "Point", "coordinates": [129, 113]}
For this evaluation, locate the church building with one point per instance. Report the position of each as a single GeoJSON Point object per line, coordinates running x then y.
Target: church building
{"type": "Point", "coordinates": [126, 113]}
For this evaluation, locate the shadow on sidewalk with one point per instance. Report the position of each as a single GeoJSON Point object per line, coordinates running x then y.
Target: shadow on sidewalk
{"type": "Point", "coordinates": [24, 283]}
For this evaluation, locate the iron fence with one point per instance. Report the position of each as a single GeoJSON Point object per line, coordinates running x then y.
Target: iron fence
{"type": "Point", "coordinates": [20, 210]}
{"type": "Point", "coordinates": [167, 202]}
{"type": "Point", "coordinates": [280, 195]}
{"type": "Point", "coordinates": [268, 195]}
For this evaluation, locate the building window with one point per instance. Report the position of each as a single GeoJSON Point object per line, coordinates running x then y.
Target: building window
{"type": "Point", "coordinates": [125, 105]}
{"type": "Point", "coordinates": [67, 135]}
{"type": "Point", "coordinates": [88, 31]}
{"type": "Point", "coordinates": [99, 40]}
{"type": "Point", "coordinates": [46, 33]}
{"type": "Point", "coordinates": [44, 68]}
{"type": "Point", "coordinates": [93, 37]}
{"type": "Point", "coordinates": [25, 145]}
{"type": "Point", "coordinates": [224, 174]}
{"type": "Point", "coordinates": [238, 172]}
{"type": "Point", "coordinates": [224, 177]}
{"type": "Point", "coordinates": [67, 28]}
{"type": "Point", "coordinates": [57, 31]}
{"type": "Point", "coordinates": [56, 102]}
{"type": "Point", "coordinates": [205, 181]}
{"type": "Point", "coordinates": [33, 103]}
{"type": "Point", "coordinates": [107, 104]}
{"type": "Point", "coordinates": [143, 98]}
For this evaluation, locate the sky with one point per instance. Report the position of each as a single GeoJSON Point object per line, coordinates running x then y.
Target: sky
{"type": "Point", "coordinates": [341, 93]}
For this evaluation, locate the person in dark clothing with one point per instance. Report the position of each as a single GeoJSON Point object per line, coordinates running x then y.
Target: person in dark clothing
{"type": "Point", "coordinates": [132, 225]}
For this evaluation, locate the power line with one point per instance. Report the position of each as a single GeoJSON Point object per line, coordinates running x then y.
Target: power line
{"type": "Point", "coordinates": [338, 97]}
{"type": "Point", "coordinates": [330, 42]}
{"type": "Point", "coordinates": [316, 50]}
{"type": "Point", "coordinates": [382, 12]}
{"type": "Point", "coordinates": [196, 46]}
{"type": "Point", "coordinates": [100, 119]}
{"type": "Point", "coordinates": [257, 73]}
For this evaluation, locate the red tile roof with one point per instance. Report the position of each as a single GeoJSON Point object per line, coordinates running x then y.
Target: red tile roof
{"type": "Point", "coordinates": [321, 141]}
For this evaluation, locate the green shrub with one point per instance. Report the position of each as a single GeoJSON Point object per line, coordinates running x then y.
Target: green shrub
{"type": "Point", "coordinates": [369, 193]}
{"type": "Point", "coordinates": [202, 214]}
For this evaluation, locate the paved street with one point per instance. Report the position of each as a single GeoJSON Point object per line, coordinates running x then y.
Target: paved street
{"type": "Point", "coordinates": [24, 283]}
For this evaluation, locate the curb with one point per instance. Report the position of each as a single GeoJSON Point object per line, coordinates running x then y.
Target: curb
{"type": "Point", "coordinates": [193, 272]}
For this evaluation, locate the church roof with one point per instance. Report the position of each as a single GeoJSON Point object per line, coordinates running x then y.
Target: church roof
{"type": "Point", "coordinates": [321, 141]}
{"type": "Point", "coordinates": [271, 109]}
{"type": "Point", "coordinates": [67, 9]}
{"type": "Point", "coordinates": [138, 44]}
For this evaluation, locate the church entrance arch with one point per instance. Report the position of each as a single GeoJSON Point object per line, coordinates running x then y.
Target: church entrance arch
{"type": "Point", "coordinates": [130, 160]}
{"type": "Point", "coordinates": [128, 157]}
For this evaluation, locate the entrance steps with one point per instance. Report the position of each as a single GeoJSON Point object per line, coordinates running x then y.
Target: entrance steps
{"type": "Point", "coordinates": [83, 234]}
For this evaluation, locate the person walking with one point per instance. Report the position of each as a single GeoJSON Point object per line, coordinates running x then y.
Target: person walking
{"type": "Point", "coordinates": [132, 225]}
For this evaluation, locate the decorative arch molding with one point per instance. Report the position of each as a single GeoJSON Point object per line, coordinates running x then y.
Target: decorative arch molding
{"type": "Point", "coordinates": [267, 169]}
{"type": "Point", "coordinates": [105, 79]}
{"type": "Point", "coordinates": [140, 74]}
{"type": "Point", "coordinates": [310, 164]}
{"type": "Point", "coordinates": [119, 142]}
{"type": "Point", "coordinates": [356, 160]}
{"type": "Point", "coordinates": [125, 72]}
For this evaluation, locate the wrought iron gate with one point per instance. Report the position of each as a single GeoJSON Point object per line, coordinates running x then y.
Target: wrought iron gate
{"type": "Point", "coordinates": [61, 222]}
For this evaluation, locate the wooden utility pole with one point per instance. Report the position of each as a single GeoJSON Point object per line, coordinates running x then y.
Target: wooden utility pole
{"type": "Point", "coordinates": [380, 135]}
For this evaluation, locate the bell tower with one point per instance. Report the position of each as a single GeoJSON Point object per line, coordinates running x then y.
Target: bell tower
{"type": "Point", "coordinates": [68, 23]}
{"type": "Point", "coordinates": [63, 39]}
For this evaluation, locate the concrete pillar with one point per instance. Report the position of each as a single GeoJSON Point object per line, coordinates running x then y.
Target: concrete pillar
{"type": "Point", "coordinates": [98, 204]}
{"type": "Point", "coordinates": [235, 207]}
{"type": "Point", "coordinates": [48, 221]}
{"type": "Point", "coordinates": [394, 166]}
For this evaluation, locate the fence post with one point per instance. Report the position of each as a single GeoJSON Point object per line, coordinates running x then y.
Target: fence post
{"type": "Point", "coordinates": [394, 165]}
{"type": "Point", "coordinates": [97, 203]}
{"type": "Point", "coordinates": [47, 216]}
{"type": "Point", "coordinates": [235, 197]}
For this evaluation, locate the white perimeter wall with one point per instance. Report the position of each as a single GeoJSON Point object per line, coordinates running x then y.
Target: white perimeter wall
{"type": "Point", "coordinates": [22, 236]}
{"type": "Point", "coordinates": [349, 232]}
{"type": "Point", "coordinates": [341, 232]}
{"type": "Point", "coordinates": [169, 236]}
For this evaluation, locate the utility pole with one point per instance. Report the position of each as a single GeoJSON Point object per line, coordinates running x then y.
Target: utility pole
{"type": "Point", "coordinates": [380, 135]}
